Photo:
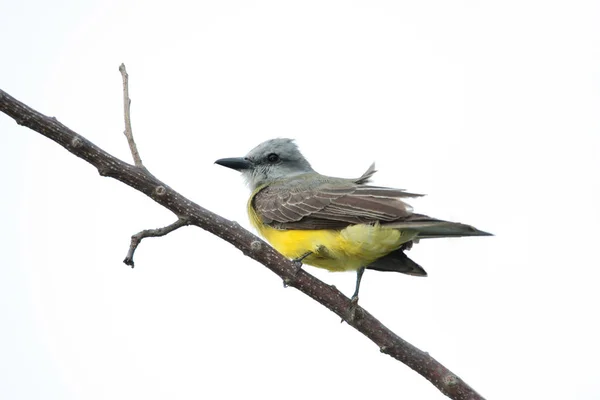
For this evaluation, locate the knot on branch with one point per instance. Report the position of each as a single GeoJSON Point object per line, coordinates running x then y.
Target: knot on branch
{"type": "Point", "coordinates": [450, 380]}
{"type": "Point", "coordinates": [77, 143]}
{"type": "Point", "coordinates": [160, 191]}
{"type": "Point", "coordinates": [104, 171]}
{"type": "Point", "coordinates": [291, 280]}
{"type": "Point", "coordinates": [255, 246]}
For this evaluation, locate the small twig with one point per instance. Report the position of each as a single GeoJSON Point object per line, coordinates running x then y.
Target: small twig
{"type": "Point", "coordinates": [127, 111]}
{"type": "Point", "coordinates": [137, 238]}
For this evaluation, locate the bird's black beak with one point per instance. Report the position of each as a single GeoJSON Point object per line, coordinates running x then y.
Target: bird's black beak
{"type": "Point", "coordinates": [237, 163]}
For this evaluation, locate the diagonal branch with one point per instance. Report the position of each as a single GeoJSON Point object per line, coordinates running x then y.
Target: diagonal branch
{"type": "Point", "coordinates": [141, 180]}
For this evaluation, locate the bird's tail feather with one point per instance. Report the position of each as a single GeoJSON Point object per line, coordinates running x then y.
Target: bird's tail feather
{"type": "Point", "coordinates": [397, 261]}
{"type": "Point", "coordinates": [434, 228]}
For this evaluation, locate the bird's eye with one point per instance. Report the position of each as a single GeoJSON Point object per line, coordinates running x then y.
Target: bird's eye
{"type": "Point", "coordinates": [273, 157]}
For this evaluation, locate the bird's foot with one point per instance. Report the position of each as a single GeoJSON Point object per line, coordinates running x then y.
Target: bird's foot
{"type": "Point", "coordinates": [298, 261]}
{"type": "Point", "coordinates": [351, 310]}
{"type": "Point", "coordinates": [298, 266]}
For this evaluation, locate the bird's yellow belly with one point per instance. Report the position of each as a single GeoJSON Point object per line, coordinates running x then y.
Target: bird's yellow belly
{"type": "Point", "coordinates": [346, 250]}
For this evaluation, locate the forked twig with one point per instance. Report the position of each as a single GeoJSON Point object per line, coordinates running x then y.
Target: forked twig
{"type": "Point", "coordinates": [137, 238]}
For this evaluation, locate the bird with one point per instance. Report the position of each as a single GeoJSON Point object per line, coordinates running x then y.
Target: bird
{"type": "Point", "coordinates": [334, 223]}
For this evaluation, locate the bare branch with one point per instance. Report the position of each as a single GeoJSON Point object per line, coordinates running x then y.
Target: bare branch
{"type": "Point", "coordinates": [141, 180]}
{"type": "Point", "coordinates": [127, 112]}
{"type": "Point", "coordinates": [137, 238]}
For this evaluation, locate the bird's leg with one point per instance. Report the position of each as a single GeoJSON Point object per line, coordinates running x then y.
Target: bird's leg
{"type": "Point", "coordinates": [359, 274]}
{"type": "Point", "coordinates": [298, 264]}
{"type": "Point", "coordinates": [298, 261]}
{"type": "Point", "coordinates": [354, 299]}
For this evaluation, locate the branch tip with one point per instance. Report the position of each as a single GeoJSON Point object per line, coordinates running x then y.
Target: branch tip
{"type": "Point", "coordinates": [127, 113]}
{"type": "Point", "coordinates": [137, 238]}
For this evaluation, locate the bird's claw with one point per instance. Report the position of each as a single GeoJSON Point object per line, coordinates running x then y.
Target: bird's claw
{"type": "Point", "coordinates": [298, 261]}
{"type": "Point", "coordinates": [351, 309]}
{"type": "Point", "coordinates": [297, 264]}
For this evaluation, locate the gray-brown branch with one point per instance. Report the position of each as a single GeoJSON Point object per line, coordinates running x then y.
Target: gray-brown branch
{"type": "Point", "coordinates": [141, 180]}
{"type": "Point", "coordinates": [158, 232]}
{"type": "Point", "coordinates": [137, 160]}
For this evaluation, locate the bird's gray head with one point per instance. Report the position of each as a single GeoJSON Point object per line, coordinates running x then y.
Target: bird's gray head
{"type": "Point", "coordinates": [268, 162]}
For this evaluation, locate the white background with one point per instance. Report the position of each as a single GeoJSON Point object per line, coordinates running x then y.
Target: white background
{"type": "Point", "coordinates": [491, 108]}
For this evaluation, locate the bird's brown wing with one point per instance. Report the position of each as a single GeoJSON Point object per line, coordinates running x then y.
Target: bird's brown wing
{"type": "Point", "coordinates": [328, 203]}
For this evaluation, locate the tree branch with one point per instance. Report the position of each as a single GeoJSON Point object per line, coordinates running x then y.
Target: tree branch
{"type": "Point", "coordinates": [137, 160]}
{"type": "Point", "coordinates": [141, 180]}
{"type": "Point", "coordinates": [137, 238]}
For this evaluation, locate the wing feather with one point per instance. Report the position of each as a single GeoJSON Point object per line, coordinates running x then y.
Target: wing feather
{"type": "Point", "coordinates": [377, 191]}
{"type": "Point", "coordinates": [319, 202]}
{"type": "Point", "coordinates": [328, 203]}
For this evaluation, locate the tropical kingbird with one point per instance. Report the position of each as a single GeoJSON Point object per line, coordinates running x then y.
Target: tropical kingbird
{"type": "Point", "coordinates": [333, 223]}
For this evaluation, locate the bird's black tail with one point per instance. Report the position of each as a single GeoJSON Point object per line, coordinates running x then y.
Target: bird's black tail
{"type": "Point", "coordinates": [397, 261]}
